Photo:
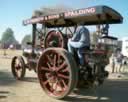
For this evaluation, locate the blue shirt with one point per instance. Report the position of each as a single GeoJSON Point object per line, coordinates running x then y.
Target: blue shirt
{"type": "Point", "coordinates": [82, 35]}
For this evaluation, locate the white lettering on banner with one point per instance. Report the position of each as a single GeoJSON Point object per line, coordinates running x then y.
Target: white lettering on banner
{"type": "Point", "coordinates": [66, 14]}
{"type": "Point", "coordinates": [53, 16]}
{"type": "Point", "coordinates": [79, 12]}
{"type": "Point", "coordinates": [39, 19]}
{"type": "Point", "coordinates": [34, 20]}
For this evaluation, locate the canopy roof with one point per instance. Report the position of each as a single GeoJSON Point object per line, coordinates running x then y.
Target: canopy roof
{"type": "Point", "coordinates": [87, 16]}
{"type": "Point", "coordinates": [109, 37]}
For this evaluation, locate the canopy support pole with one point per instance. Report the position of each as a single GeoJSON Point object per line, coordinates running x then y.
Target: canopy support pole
{"type": "Point", "coordinates": [33, 37]}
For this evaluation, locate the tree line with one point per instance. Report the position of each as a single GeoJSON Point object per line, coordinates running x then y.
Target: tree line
{"type": "Point", "coordinates": [8, 38]}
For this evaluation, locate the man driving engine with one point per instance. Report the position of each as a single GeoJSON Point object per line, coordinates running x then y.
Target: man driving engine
{"type": "Point", "coordinates": [80, 41]}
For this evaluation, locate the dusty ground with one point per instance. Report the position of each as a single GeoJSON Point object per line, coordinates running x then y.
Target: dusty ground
{"type": "Point", "coordinates": [115, 89]}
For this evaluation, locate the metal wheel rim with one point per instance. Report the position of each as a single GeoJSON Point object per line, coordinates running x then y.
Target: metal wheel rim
{"type": "Point", "coordinates": [62, 79]}
{"type": "Point", "coordinates": [17, 67]}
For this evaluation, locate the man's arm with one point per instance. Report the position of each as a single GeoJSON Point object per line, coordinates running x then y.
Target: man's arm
{"type": "Point", "coordinates": [76, 36]}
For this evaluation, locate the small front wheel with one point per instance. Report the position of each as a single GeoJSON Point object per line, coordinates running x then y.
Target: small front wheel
{"type": "Point", "coordinates": [18, 67]}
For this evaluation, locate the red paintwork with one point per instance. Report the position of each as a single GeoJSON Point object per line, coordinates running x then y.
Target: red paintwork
{"type": "Point", "coordinates": [53, 74]}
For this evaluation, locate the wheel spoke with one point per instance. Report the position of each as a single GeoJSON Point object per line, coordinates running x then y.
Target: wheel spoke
{"type": "Point", "coordinates": [49, 66]}
{"type": "Point", "coordinates": [49, 59]}
{"type": "Point", "coordinates": [17, 73]}
{"type": "Point", "coordinates": [45, 69]}
{"type": "Point", "coordinates": [58, 59]}
{"type": "Point", "coordinates": [15, 65]}
{"type": "Point", "coordinates": [65, 70]}
{"type": "Point", "coordinates": [54, 60]}
{"type": "Point", "coordinates": [65, 86]}
{"type": "Point", "coordinates": [63, 76]}
{"type": "Point", "coordinates": [46, 82]}
{"type": "Point", "coordinates": [61, 66]}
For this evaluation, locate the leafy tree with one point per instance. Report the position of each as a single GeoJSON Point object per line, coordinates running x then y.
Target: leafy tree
{"type": "Point", "coordinates": [8, 37]}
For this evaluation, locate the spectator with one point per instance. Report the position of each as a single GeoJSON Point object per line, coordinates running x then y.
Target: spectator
{"type": "Point", "coordinates": [112, 62]}
{"type": "Point", "coordinates": [118, 60]}
{"type": "Point", "coordinates": [124, 63]}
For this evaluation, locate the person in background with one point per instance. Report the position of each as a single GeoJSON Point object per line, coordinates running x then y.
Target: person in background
{"type": "Point", "coordinates": [125, 64]}
{"type": "Point", "coordinates": [112, 62]}
{"type": "Point", "coordinates": [118, 60]}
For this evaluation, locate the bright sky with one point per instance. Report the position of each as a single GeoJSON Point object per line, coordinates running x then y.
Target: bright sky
{"type": "Point", "coordinates": [13, 12]}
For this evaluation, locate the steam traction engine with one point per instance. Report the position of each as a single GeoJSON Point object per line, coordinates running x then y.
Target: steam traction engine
{"type": "Point", "coordinates": [58, 71]}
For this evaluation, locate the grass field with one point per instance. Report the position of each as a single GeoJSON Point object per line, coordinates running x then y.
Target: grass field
{"type": "Point", "coordinates": [5, 60]}
{"type": "Point", "coordinates": [9, 52]}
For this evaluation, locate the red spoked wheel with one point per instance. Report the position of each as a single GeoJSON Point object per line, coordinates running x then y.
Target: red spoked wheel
{"type": "Point", "coordinates": [57, 72]}
{"type": "Point", "coordinates": [54, 39]}
{"type": "Point", "coordinates": [18, 67]}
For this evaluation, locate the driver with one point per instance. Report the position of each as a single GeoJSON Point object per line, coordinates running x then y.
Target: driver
{"type": "Point", "coordinates": [79, 41]}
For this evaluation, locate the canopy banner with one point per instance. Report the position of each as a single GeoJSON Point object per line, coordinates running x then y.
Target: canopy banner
{"type": "Point", "coordinates": [88, 15]}
{"type": "Point", "coordinates": [65, 15]}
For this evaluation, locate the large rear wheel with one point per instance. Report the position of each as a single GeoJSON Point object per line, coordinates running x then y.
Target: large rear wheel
{"type": "Point", "coordinates": [54, 39]}
{"type": "Point", "coordinates": [57, 72]}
